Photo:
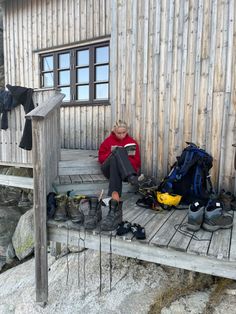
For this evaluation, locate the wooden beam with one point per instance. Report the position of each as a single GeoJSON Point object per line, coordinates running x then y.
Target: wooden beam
{"type": "Point", "coordinates": [142, 251]}
{"type": "Point", "coordinates": [16, 181]}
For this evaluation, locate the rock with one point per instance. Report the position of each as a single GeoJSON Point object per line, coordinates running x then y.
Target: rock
{"type": "Point", "coordinates": [9, 216]}
{"type": "Point", "coordinates": [23, 238]}
{"type": "Point", "coordinates": [10, 253]}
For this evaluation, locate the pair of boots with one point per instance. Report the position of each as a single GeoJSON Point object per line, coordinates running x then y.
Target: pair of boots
{"type": "Point", "coordinates": [68, 207]}
{"type": "Point", "coordinates": [210, 217]}
{"type": "Point", "coordinates": [113, 218]}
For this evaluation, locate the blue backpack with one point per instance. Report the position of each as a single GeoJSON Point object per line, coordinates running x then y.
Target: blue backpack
{"type": "Point", "coordinates": [189, 176]}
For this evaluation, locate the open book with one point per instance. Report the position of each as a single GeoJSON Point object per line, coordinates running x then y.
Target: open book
{"type": "Point", "coordinates": [131, 148]}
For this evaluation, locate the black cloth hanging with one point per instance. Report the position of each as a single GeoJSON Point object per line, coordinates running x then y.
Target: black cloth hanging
{"type": "Point", "coordinates": [23, 96]}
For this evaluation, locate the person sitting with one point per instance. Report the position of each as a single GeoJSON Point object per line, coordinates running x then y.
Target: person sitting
{"type": "Point", "coordinates": [119, 164]}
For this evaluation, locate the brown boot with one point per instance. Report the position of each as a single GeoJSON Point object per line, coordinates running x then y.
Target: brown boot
{"type": "Point", "coordinates": [73, 209]}
{"type": "Point", "coordinates": [60, 213]}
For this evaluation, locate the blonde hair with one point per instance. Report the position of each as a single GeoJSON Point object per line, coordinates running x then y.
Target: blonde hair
{"type": "Point", "coordinates": [120, 124]}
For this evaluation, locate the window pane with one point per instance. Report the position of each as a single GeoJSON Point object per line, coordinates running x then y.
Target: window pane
{"type": "Point", "coordinates": [83, 75]}
{"type": "Point", "coordinates": [48, 63]}
{"type": "Point", "coordinates": [66, 91]}
{"type": "Point", "coordinates": [102, 55]}
{"type": "Point", "coordinates": [83, 57]}
{"type": "Point", "coordinates": [64, 77]}
{"type": "Point", "coordinates": [64, 60]}
{"type": "Point", "coordinates": [83, 92]}
{"type": "Point", "coordinates": [101, 73]}
{"type": "Point", "coordinates": [47, 79]}
{"type": "Point", "coordinates": [101, 91]}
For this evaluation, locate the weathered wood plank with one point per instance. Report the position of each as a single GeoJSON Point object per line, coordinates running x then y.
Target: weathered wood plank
{"type": "Point", "coordinates": [200, 242]}
{"type": "Point", "coordinates": [21, 182]}
{"type": "Point", "coordinates": [168, 230]}
{"type": "Point", "coordinates": [220, 244]}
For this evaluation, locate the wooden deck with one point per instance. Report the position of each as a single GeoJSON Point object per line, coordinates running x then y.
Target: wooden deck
{"type": "Point", "coordinates": [167, 242]}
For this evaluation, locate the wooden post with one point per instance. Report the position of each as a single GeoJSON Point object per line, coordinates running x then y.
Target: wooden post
{"type": "Point", "coordinates": [40, 212]}
{"type": "Point", "coordinates": [44, 130]}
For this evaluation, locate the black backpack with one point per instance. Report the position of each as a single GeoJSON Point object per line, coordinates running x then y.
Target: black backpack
{"type": "Point", "coordinates": [189, 176]}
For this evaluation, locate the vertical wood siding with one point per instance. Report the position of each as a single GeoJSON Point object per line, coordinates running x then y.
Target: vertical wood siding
{"type": "Point", "coordinates": [172, 72]}
{"type": "Point", "coordinates": [174, 79]}
{"type": "Point", "coordinates": [32, 25]}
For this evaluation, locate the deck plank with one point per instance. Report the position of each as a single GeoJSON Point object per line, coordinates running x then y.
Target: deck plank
{"type": "Point", "coordinates": [182, 237]}
{"type": "Point", "coordinates": [220, 244]}
{"type": "Point", "coordinates": [200, 242]}
{"type": "Point", "coordinates": [156, 223]}
{"type": "Point", "coordinates": [168, 229]}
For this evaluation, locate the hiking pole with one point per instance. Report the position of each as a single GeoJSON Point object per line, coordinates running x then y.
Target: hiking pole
{"type": "Point", "coordinates": [100, 247]}
{"type": "Point", "coordinates": [67, 256]}
{"type": "Point", "coordinates": [110, 261]}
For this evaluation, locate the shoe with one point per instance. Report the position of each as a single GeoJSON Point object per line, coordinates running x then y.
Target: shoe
{"type": "Point", "coordinates": [123, 228]}
{"type": "Point", "coordinates": [133, 180]}
{"type": "Point", "coordinates": [145, 182]}
{"type": "Point", "coordinates": [61, 211]}
{"type": "Point", "coordinates": [138, 231]}
{"type": "Point", "coordinates": [51, 205]}
{"type": "Point", "coordinates": [195, 216]}
{"type": "Point", "coordinates": [215, 218]}
{"type": "Point", "coordinates": [94, 215]}
{"type": "Point", "coordinates": [114, 216]}
{"type": "Point", "coordinates": [228, 200]}
{"type": "Point", "coordinates": [73, 209]}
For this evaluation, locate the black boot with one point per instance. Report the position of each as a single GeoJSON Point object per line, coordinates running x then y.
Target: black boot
{"type": "Point", "coordinates": [94, 215]}
{"type": "Point", "coordinates": [114, 216]}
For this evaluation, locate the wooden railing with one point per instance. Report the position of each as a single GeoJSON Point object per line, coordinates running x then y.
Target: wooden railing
{"type": "Point", "coordinates": [45, 157]}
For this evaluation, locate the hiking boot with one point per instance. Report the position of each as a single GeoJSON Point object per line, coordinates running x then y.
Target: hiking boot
{"type": "Point", "coordinates": [114, 216]}
{"type": "Point", "coordinates": [214, 218]}
{"type": "Point", "coordinates": [195, 216]}
{"type": "Point", "coordinates": [73, 209]}
{"type": "Point", "coordinates": [94, 215]}
{"type": "Point", "coordinates": [60, 213]}
{"type": "Point", "coordinates": [228, 200]}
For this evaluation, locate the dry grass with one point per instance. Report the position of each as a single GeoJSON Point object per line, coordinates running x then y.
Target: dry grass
{"type": "Point", "coordinates": [185, 284]}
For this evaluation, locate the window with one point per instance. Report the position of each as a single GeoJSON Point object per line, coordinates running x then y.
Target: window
{"type": "Point", "coordinates": [81, 73]}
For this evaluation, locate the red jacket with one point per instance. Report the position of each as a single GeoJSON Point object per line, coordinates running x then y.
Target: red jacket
{"type": "Point", "coordinates": [112, 140]}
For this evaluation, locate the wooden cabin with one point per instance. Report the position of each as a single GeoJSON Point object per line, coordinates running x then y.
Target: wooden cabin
{"type": "Point", "coordinates": [167, 67]}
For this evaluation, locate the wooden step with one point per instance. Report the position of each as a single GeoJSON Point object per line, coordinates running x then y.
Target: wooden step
{"type": "Point", "coordinates": [85, 184]}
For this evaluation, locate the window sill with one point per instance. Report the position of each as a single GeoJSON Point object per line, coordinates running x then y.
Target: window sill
{"type": "Point", "coordinates": [86, 103]}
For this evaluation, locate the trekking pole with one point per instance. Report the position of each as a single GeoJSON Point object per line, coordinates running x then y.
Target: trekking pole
{"type": "Point", "coordinates": [100, 247]}
{"type": "Point", "coordinates": [110, 261]}
{"type": "Point", "coordinates": [67, 255]}
{"type": "Point", "coordinates": [79, 260]}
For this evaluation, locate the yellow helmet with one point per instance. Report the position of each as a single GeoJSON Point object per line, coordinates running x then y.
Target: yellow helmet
{"type": "Point", "coordinates": [168, 199]}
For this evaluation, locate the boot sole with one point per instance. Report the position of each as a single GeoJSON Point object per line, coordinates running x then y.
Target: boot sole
{"type": "Point", "coordinates": [60, 218]}
{"type": "Point", "coordinates": [193, 227]}
{"type": "Point", "coordinates": [215, 228]}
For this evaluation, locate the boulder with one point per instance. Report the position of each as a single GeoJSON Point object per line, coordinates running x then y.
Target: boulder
{"type": "Point", "coordinates": [23, 237]}
{"type": "Point", "coordinates": [9, 217]}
